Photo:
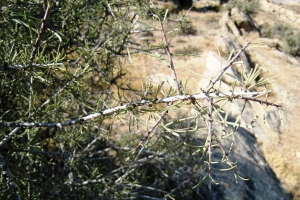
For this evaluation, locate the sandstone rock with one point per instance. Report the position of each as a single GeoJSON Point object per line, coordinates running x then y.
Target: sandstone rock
{"type": "Point", "coordinates": [205, 3]}
{"type": "Point", "coordinates": [227, 24]}
{"type": "Point", "coordinates": [171, 5]}
{"type": "Point", "coordinates": [273, 120]}
{"type": "Point", "coordinates": [228, 42]}
{"type": "Point", "coordinates": [272, 43]}
{"type": "Point", "coordinates": [214, 64]}
{"type": "Point", "coordinates": [286, 15]}
{"type": "Point", "coordinates": [261, 183]}
{"type": "Point", "coordinates": [242, 20]}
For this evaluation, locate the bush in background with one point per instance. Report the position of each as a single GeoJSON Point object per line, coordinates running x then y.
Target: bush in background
{"type": "Point", "coordinates": [290, 37]}
{"type": "Point", "coordinates": [246, 6]}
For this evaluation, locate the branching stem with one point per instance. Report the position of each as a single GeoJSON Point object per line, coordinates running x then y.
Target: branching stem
{"type": "Point", "coordinates": [170, 58]}
{"type": "Point", "coordinates": [209, 134]}
{"type": "Point", "coordinates": [217, 78]}
{"type": "Point", "coordinates": [40, 34]}
{"type": "Point", "coordinates": [125, 107]}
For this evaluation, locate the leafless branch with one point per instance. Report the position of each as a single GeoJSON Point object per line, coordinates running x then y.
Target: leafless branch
{"type": "Point", "coordinates": [150, 132]}
{"type": "Point", "coordinates": [133, 165]}
{"type": "Point", "coordinates": [146, 187]}
{"type": "Point", "coordinates": [209, 135]}
{"type": "Point", "coordinates": [142, 142]}
{"type": "Point", "coordinates": [170, 58]}
{"type": "Point", "coordinates": [217, 78]}
{"type": "Point", "coordinates": [130, 106]}
{"type": "Point", "coordinates": [148, 136]}
{"type": "Point", "coordinates": [42, 30]}
{"type": "Point", "coordinates": [261, 101]}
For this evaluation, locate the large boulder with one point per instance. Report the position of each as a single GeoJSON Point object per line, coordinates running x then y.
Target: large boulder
{"type": "Point", "coordinates": [228, 25]}
{"type": "Point", "coordinates": [214, 64]}
{"type": "Point", "coordinates": [242, 20]}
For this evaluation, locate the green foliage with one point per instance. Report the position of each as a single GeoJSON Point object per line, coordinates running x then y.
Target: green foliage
{"type": "Point", "coordinates": [180, 24]}
{"type": "Point", "coordinates": [136, 151]}
{"type": "Point", "coordinates": [266, 31]}
{"type": "Point", "coordinates": [292, 44]}
{"type": "Point", "coordinates": [291, 38]}
{"type": "Point", "coordinates": [246, 6]}
{"type": "Point", "coordinates": [82, 40]}
{"type": "Point", "coordinates": [79, 61]}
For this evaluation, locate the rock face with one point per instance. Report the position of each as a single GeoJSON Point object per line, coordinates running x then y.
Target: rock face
{"type": "Point", "coordinates": [261, 183]}
{"type": "Point", "coordinates": [251, 157]}
{"type": "Point", "coordinates": [242, 20]}
{"type": "Point", "coordinates": [268, 154]}
{"type": "Point", "coordinates": [286, 15]}
{"type": "Point", "coordinates": [228, 41]}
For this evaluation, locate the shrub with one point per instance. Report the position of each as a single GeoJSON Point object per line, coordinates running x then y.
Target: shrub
{"type": "Point", "coordinates": [291, 38]}
{"type": "Point", "coordinates": [70, 128]}
{"type": "Point", "coordinates": [281, 30]}
{"type": "Point", "coordinates": [266, 31]}
{"type": "Point", "coordinates": [246, 6]}
{"type": "Point", "coordinates": [182, 24]}
{"type": "Point", "coordinates": [292, 44]}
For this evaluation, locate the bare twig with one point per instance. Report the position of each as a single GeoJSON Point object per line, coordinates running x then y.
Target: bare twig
{"type": "Point", "coordinates": [148, 136]}
{"type": "Point", "coordinates": [209, 135]}
{"type": "Point", "coordinates": [179, 92]}
{"type": "Point", "coordinates": [146, 187]}
{"type": "Point", "coordinates": [142, 142]}
{"type": "Point", "coordinates": [40, 34]}
{"type": "Point", "coordinates": [15, 68]}
{"type": "Point", "coordinates": [101, 180]}
{"type": "Point", "coordinates": [150, 132]}
{"type": "Point", "coordinates": [133, 165]}
{"type": "Point", "coordinates": [211, 85]}
{"type": "Point", "coordinates": [261, 101]}
{"type": "Point", "coordinates": [130, 106]}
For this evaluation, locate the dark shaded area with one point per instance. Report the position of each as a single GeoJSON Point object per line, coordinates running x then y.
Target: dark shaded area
{"type": "Point", "coordinates": [186, 4]}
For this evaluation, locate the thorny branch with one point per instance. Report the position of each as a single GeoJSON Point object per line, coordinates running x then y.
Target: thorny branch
{"type": "Point", "coordinates": [130, 106]}
{"type": "Point", "coordinates": [142, 142]}
{"type": "Point", "coordinates": [151, 131]}
{"type": "Point", "coordinates": [40, 34]}
{"type": "Point", "coordinates": [32, 57]}
{"type": "Point", "coordinates": [209, 134]}
{"type": "Point", "coordinates": [170, 58]}
{"type": "Point", "coordinates": [217, 78]}
{"type": "Point", "coordinates": [148, 136]}
{"type": "Point", "coordinates": [206, 95]}
{"type": "Point", "coordinates": [261, 101]}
